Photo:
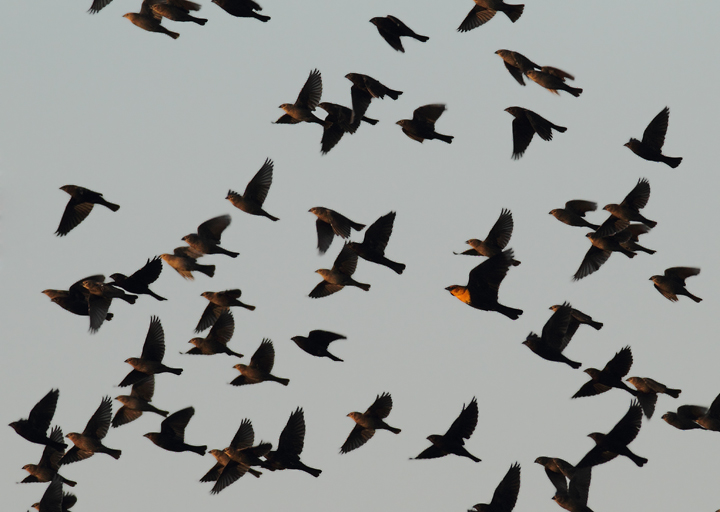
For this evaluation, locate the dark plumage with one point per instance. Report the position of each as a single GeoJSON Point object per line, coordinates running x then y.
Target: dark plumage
{"type": "Point", "coordinates": [290, 446]}
{"type": "Point", "coordinates": [629, 209]}
{"type": "Point", "coordinates": [376, 239]}
{"type": "Point", "coordinates": [392, 29]}
{"type": "Point", "coordinates": [647, 392]}
{"type": "Point", "coordinates": [574, 498]}
{"type": "Point", "coordinates": [137, 402]}
{"type": "Point", "coordinates": [601, 249]}
{"type": "Point", "coordinates": [453, 440]}
{"type": "Point", "coordinates": [172, 433]}
{"type": "Point", "coordinates": [148, 20]}
{"type": "Point", "coordinates": [47, 469]}
{"type": "Point", "coordinates": [635, 231]}
{"type": "Point", "coordinates": [35, 427]}
{"type": "Point", "coordinates": [615, 442]}
{"type": "Point", "coordinates": [339, 121]}
{"type": "Point", "coordinates": [558, 471]}
{"type": "Point", "coordinates": [552, 81]}
{"type": "Point", "coordinates": [650, 147]}
{"type": "Point", "coordinates": [496, 240]}
{"type": "Point", "coordinates": [339, 276]}
{"type": "Point", "coordinates": [217, 339]}
{"type": "Point", "coordinates": [255, 193]}
{"type": "Point", "coordinates": [574, 213]}
{"type": "Point", "coordinates": [177, 10]}
{"type": "Point", "coordinates": [207, 238]}
{"type": "Point", "coordinates": [242, 9]}
{"type": "Point", "coordinates": [526, 124]}
{"type": "Point", "coordinates": [506, 493]}
{"type": "Point", "coordinates": [484, 10]}
{"type": "Point", "coordinates": [52, 498]}
{"type": "Point", "coordinates": [184, 261]}
{"type": "Point", "coordinates": [261, 364]}
{"type": "Point", "coordinates": [484, 281]}
{"type": "Point", "coordinates": [366, 423]}
{"type": "Point", "coordinates": [80, 205]}
{"type": "Point", "coordinates": [150, 362]}
{"type": "Point", "coordinates": [317, 342]}
{"type": "Point", "coordinates": [364, 89]}
{"type": "Point", "coordinates": [672, 282]}
{"type": "Point", "coordinates": [609, 377]}
{"type": "Point", "coordinates": [306, 102]}
{"type": "Point", "coordinates": [516, 63]}
{"type": "Point", "coordinates": [90, 441]}
{"type": "Point", "coordinates": [554, 338]}
{"type": "Point", "coordinates": [684, 418]}
{"type": "Point", "coordinates": [576, 319]}
{"type": "Point", "coordinates": [219, 302]}
{"type": "Point", "coordinates": [239, 456]}
{"type": "Point", "coordinates": [422, 125]}
{"type": "Point", "coordinates": [140, 280]}
{"type": "Point", "coordinates": [330, 223]}
{"type": "Point", "coordinates": [75, 300]}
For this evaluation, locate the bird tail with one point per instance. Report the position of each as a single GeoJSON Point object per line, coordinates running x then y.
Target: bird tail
{"type": "Point", "coordinates": [262, 18]}
{"type": "Point", "coordinates": [644, 249]}
{"type": "Point", "coordinates": [158, 411]}
{"type": "Point", "coordinates": [693, 297]}
{"type": "Point", "coordinates": [208, 270]}
{"type": "Point", "coordinates": [673, 392]}
{"type": "Point", "coordinates": [369, 120]}
{"type": "Point", "coordinates": [115, 454]}
{"type": "Point", "coordinates": [130, 299]}
{"type": "Point", "coordinates": [71, 483]}
{"type": "Point", "coordinates": [246, 306]}
{"type": "Point", "coordinates": [356, 226]}
{"type": "Point", "coordinates": [363, 286]}
{"type": "Point", "coordinates": [155, 295]}
{"type": "Point", "coordinates": [199, 21]}
{"type": "Point", "coordinates": [671, 161]}
{"type": "Point", "coordinates": [639, 461]}
{"type": "Point", "coordinates": [282, 381]}
{"type": "Point", "coordinates": [231, 353]}
{"type": "Point", "coordinates": [514, 11]}
{"type": "Point", "coordinates": [574, 364]}
{"type": "Point", "coordinates": [272, 218]}
{"type": "Point", "coordinates": [511, 313]}
{"type": "Point", "coordinates": [595, 325]}
{"type": "Point", "coordinates": [627, 253]}
{"type": "Point", "coordinates": [229, 253]}
{"type": "Point", "coordinates": [649, 223]}
{"type": "Point", "coordinates": [394, 94]}
{"type": "Point", "coordinates": [115, 207]}
{"type": "Point", "coordinates": [252, 471]}
{"type": "Point", "coordinates": [515, 263]}
{"type": "Point", "coordinates": [200, 450]}
{"type": "Point", "coordinates": [444, 138]}
{"type": "Point", "coordinates": [109, 316]}
{"type": "Point", "coordinates": [575, 91]}
{"type": "Point", "coordinates": [419, 37]}
{"type": "Point", "coordinates": [174, 35]}
{"type": "Point", "coordinates": [312, 471]}
{"type": "Point", "coordinates": [176, 371]}
{"type": "Point", "coordinates": [561, 129]}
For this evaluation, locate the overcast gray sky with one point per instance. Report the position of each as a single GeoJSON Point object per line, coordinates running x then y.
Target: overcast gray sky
{"type": "Point", "coordinates": [165, 127]}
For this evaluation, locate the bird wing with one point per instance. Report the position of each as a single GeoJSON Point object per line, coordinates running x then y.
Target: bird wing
{"type": "Point", "coordinates": [464, 425]}
{"type": "Point", "coordinates": [428, 113]}
{"type": "Point", "coordinates": [244, 437]}
{"type": "Point", "coordinates": [431, 452]}
{"type": "Point", "coordinates": [593, 260]}
{"type": "Point", "coordinates": [522, 135]}
{"type": "Point", "coordinates": [209, 316]}
{"type": "Point", "coordinates": [125, 415]}
{"type": "Point", "coordinates": [381, 407]}
{"type": "Point", "coordinates": [654, 134]}
{"type": "Point", "coordinates": [292, 438]}
{"type": "Point", "coordinates": [639, 195]}
{"type": "Point", "coordinates": [223, 329]}
{"type": "Point", "coordinates": [506, 493]}
{"type": "Point", "coordinates": [378, 234]}
{"type": "Point", "coordinates": [73, 215]}
{"type": "Point", "coordinates": [484, 280]}
{"type": "Point", "coordinates": [358, 437]}
{"type": "Point", "coordinates": [514, 70]}
{"type": "Point", "coordinates": [99, 423]}
{"type": "Point", "coordinates": [174, 425]}
{"type": "Point", "coordinates": [145, 389]}
{"type": "Point", "coordinates": [325, 235]}
{"type": "Point", "coordinates": [620, 364]}
{"type": "Point", "coordinates": [591, 388]}
{"type": "Point", "coordinates": [542, 126]}
{"type": "Point", "coordinates": [628, 427]}
{"type": "Point", "coordinates": [312, 90]}
{"type": "Point", "coordinates": [346, 261]}
{"type": "Point", "coordinates": [479, 16]}
{"type": "Point", "coordinates": [264, 357]}
{"type": "Point", "coordinates": [555, 330]}
{"type": "Point", "coordinates": [42, 413]}
{"type": "Point", "coordinates": [154, 346]}
{"type": "Point", "coordinates": [324, 338]}
{"type": "Point", "coordinates": [323, 289]}
{"type": "Point", "coordinates": [257, 189]}
{"type": "Point", "coordinates": [212, 229]}
{"type": "Point", "coordinates": [502, 230]}
{"type": "Point", "coordinates": [148, 273]}
{"type": "Point", "coordinates": [580, 206]}
{"type": "Point", "coordinates": [681, 273]}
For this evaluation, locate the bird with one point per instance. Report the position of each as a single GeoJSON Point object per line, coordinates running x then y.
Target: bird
{"type": "Point", "coordinates": [558, 471]}
{"type": "Point", "coordinates": [601, 249]}
{"type": "Point", "coordinates": [574, 213]}
{"type": "Point", "coordinates": [139, 281]}
{"type": "Point", "coordinates": [684, 418]}
{"type": "Point", "coordinates": [505, 495]}
{"type": "Point", "coordinates": [317, 341]}
{"type": "Point", "coordinates": [516, 63]}
{"type": "Point", "coordinates": [578, 318]}
{"type": "Point", "coordinates": [339, 276]}
{"type": "Point", "coordinates": [526, 124]}
{"type": "Point", "coordinates": [255, 193]}
{"type": "Point", "coordinates": [100, 296]}
{"type": "Point", "coordinates": [184, 261]}
{"type": "Point", "coordinates": [178, 10]}
{"type": "Point", "coordinates": [366, 423]}
{"type": "Point", "coordinates": [376, 239]}
{"type": "Point", "coordinates": [484, 282]}
{"type": "Point", "coordinates": [90, 441]}
{"type": "Point", "coordinates": [261, 364]}
{"type": "Point", "coordinates": [239, 457]}
{"type": "Point", "coordinates": [364, 88]}
{"type": "Point", "coordinates": [710, 420]}
{"type": "Point", "coordinates": [629, 209]}
{"type": "Point", "coordinates": [148, 20]}
{"type": "Point", "coordinates": [496, 240]}
{"type": "Point", "coordinates": [452, 442]}
{"type": "Point", "coordinates": [575, 497]}
{"type": "Point", "coordinates": [79, 207]}
{"type": "Point", "coordinates": [339, 121]}
{"type": "Point", "coordinates": [609, 377]}
{"type": "Point", "coordinates": [52, 498]}
{"type": "Point", "coordinates": [635, 231]}
{"type": "Point", "coordinates": [672, 282]}
{"type": "Point", "coordinates": [75, 299]}
{"type": "Point", "coordinates": [306, 102]}
{"type": "Point", "coordinates": [650, 147]}
{"type": "Point", "coordinates": [137, 402]}
{"type": "Point", "coordinates": [553, 80]}
{"type": "Point", "coordinates": [219, 302]}
{"type": "Point", "coordinates": [290, 446]}
{"type": "Point", "coordinates": [647, 392]}
{"type": "Point", "coordinates": [484, 10]}
{"type": "Point", "coordinates": [553, 339]}
{"type": "Point", "coordinates": [422, 124]}
{"type": "Point", "coordinates": [242, 9]}
{"type": "Point", "coordinates": [392, 29]}
{"type": "Point", "coordinates": [330, 223]}
{"type": "Point", "coordinates": [47, 468]}
{"type": "Point", "coordinates": [614, 443]}
{"type": "Point", "coordinates": [150, 362]}
{"type": "Point", "coordinates": [35, 427]}
{"type": "Point", "coordinates": [217, 339]}
{"type": "Point", "coordinates": [207, 238]}
{"type": "Point", "coordinates": [172, 433]}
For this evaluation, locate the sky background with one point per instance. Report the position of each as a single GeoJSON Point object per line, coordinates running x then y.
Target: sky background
{"type": "Point", "coordinates": [165, 127]}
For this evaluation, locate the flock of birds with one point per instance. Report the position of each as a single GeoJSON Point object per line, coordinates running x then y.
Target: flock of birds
{"type": "Point", "coordinates": [619, 232]}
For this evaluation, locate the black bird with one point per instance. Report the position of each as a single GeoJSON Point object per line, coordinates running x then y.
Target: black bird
{"type": "Point", "coordinates": [35, 427]}
{"type": "Point", "coordinates": [391, 29]}
{"type": "Point", "coordinates": [219, 302]}
{"type": "Point", "coordinates": [484, 10]}
{"type": "Point", "coordinates": [422, 124]}
{"type": "Point", "coordinates": [242, 9]}
{"type": "Point", "coordinates": [526, 124]}
{"type": "Point", "coordinates": [615, 442]}
{"type": "Point", "coordinates": [376, 239]}
{"type": "Point", "coordinates": [207, 238]}
{"type": "Point", "coordinates": [139, 281]}
{"type": "Point", "coordinates": [80, 205]}
{"type": "Point", "coordinates": [506, 493]}
{"type": "Point", "coordinates": [255, 193]}
{"type": "Point", "coordinates": [330, 223]}
{"type": "Point", "coordinates": [290, 446]}
{"type": "Point", "coordinates": [172, 433]}
{"type": "Point", "coordinates": [453, 440]}
{"type": "Point", "coordinates": [363, 90]}
{"type": "Point", "coordinates": [137, 402]}
{"type": "Point", "coordinates": [47, 469]}
{"type": "Point", "coordinates": [317, 342]}
{"type": "Point", "coordinates": [609, 377]}
{"type": "Point", "coordinates": [496, 240]}
{"type": "Point", "coordinates": [554, 338]}
{"type": "Point", "coordinates": [650, 147]}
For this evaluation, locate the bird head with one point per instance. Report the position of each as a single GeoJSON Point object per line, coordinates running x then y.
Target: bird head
{"type": "Point", "coordinates": [195, 341]}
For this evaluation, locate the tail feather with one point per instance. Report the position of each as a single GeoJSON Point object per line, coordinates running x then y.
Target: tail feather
{"type": "Point", "coordinates": [575, 91]}
{"type": "Point", "coordinates": [671, 161]}
{"type": "Point", "coordinates": [208, 270]}
{"type": "Point", "coordinates": [595, 325]}
{"type": "Point", "coordinates": [514, 11]}
{"type": "Point", "coordinates": [444, 138]}
{"type": "Point", "coordinates": [673, 392]}
{"type": "Point", "coordinates": [511, 313]}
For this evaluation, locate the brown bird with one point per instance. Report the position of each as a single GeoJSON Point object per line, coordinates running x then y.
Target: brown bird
{"type": "Point", "coordinates": [242, 9]}
{"type": "Point", "coordinates": [577, 318]}
{"type": "Point", "coordinates": [290, 446]}
{"type": "Point", "coordinates": [184, 261]}
{"type": "Point", "coordinates": [484, 281]}
{"type": "Point", "coordinates": [648, 390]}
{"type": "Point", "coordinates": [422, 125]}
{"type": "Point", "coordinates": [553, 80]}
{"type": "Point", "coordinates": [650, 147]}
{"type": "Point", "coordinates": [47, 469]}
{"type": "Point", "coordinates": [35, 427]}
{"type": "Point", "coordinates": [615, 442]}
{"type": "Point", "coordinates": [339, 276]}
{"type": "Point", "coordinates": [172, 433]}
{"type": "Point", "coordinates": [366, 423]}
{"type": "Point", "coordinates": [177, 10]}
{"type": "Point", "coordinates": [516, 63]}
{"type": "Point", "coordinates": [317, 341]}
{"type": "Point", "coordinates": [684, 418]}
{"type": "Point", "coordinates": [636, 230]}
{"type": "Point", "coordinates": [601, 249]}
{"type": "Point", "coordinates": [219, 302]}
{"type": "Point", "coordinates": [90, 441]}
{"type": "Point", "coordinates": [339, 121]}
{"type": "Point", "coordinates": [137, 402]}
{"type": "Point", "coordinates": [364, 89]}
{"type": "Point", "coordinates": [148, 20]}
{"type": "Point", "coordinates": [261, 364]}
{"type": "Point", "coordinates": [629, 209]}
{"type": "Point", "coordinates": [553, 339]}
{"type": "Point", "coordinates": [392, 29]}
{"type": "Point", "coordinates": [609, 377]}
{"type": "Point", "coordinates": [672, 282]}
{"type": "Point", "coordinates": [100, 296]}
{"type": "Point", "coordinates": [75, 300]}
{"type": "Point", "coordinates": [558, 471]}
{"type": "Point", "coordinates": [217, 339]}
{"type": "Point", "coordinates": [150, 362]}
{"type": "Point", "coordinates": [207, 238]}
{"type": "Point", "coordinates": [306, 102]}
{"type": "Point", "coordinates": [140, 280]}
{"type": "Point", "coordinates": [575, 497]}
{"type": "Point", "coordinates": [79, 207]}
{"type": "Point", "coordinates": [710, 420]}
{"type": "Point", "coordinates": [376, 239]}
{"type": "Point", "coordinates": [453, 440]}
{"type": "Point", "coordinates": [484, 10]}
{"type": "Point", "coordinates": [506, 493]}
{"type": "Point", "coordinates": [255, 193]}
{"type": "Point", "coordinates": [574, 213]}
{"type": "Point", "coordinates": [330, 223]}
{"type": "Point", "coordinates": [526, 124]}
{"type": "Point", "coordinates": [239, 457]}
{"type": "Point", "coordinates": [496, 240]}
{"type": "Point", "coordinates": [52, 498]}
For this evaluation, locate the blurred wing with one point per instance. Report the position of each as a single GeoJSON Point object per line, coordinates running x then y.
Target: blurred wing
{"type": "Point", "coordinates": [257, 189]}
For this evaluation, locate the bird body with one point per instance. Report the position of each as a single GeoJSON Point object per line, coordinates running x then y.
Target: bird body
{"type": "Point", "coordinates": [330, 223]}
{"type": "Point", "coordinates": [672, 282]}
{"type": "Point", "coordinates": [207, 238]}
{"type": "Point", "coordinates": [148, 20]}
{"type": "Point", "coordinates": [574, 213]}
{"type": "Point", "coordinates": [366, 423]}
{"type": "Point", "coordinates": [496, 240]}
{"type": "Point", "coordinates": [376, 239]}
{"type": "Point", "coordinates": [339, 276]}
{"type": "Point", "coordinates": [650, 147]}
{"type": "Point", "coordinates": [137, 402]}
{"type": "Point", "coordinates": [79, 207]}
{"type": "Point", "coordinates": [218, 337]}
{"type": "Point", "coordinates": [255, 192]}
{"type": "Point", "coordinates": [554, 338]}
{"type": "Point", "coordinates": [139, 281]}
{"type": "Point", "coordinates": [261, 364]}
{"type": "Point", "coordinates": [172, 433]}
{"type": "Point", "coordinates": [89, 441]}
{"type": "Point", "coordinates": [184, 261]}
{"type": "Point", "coordinates": [526, 124]}
{"type": "Point", "coordinates": [453, 441]}
{"type": "Point", "coordinates": [392, 29]}
{"type": "Point", "coordinates": [316, 343]}
{"type": "Point", "coordinates": [242, 9]}
{"type": "Point", "coordinates": [422, 124]}
{"type": "Point", "coordinates": [552, 82]}
{"type": "Point", "coordinates": [306, 102]}
{"type": "Point", "coordinates": [35, 427]}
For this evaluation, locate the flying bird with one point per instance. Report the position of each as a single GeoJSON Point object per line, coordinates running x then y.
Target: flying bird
{"type": "Point", "coordinates": [629, 209]}
{"type": "Point", "coordinates": [90, 441]}
{"type": "Point", "coordinates": [578, 318]}
{"type": "Point", "coordinates": [366, 423]}
{"type": "Point", "coordinates": [207, 238]}
{"type": "Point", "coordinates": [172, 433]}
{"type": "Point", "coordinates": [496, 240]}
{"type": "Point", "coordinates": [148, 20]}
{"type": "Point", "coordinates": [453, 441]}
{"type": "Point", "coordinates": [392, 29]}
{"type": "Point", "coordinates": [219, 302]}
{"type": "Point", "coordinates": [526, 124]}
{"type": "Point", "coordinates": [484, 10]}
{"type": "Point", "coordinates": [290, 446]}
{"type": "Point", "coordinates": [376, 239]}
{"type": "Point", "coordinates": [47, 468]}
{"type": "Point", "coordinates": [242, 9]}
{"type": "Point", "coordinates": [554, 337]}
{"type": "Point", "coordinates": [150, 362]}
{"type": "Point", "coordinates": [177, 10]}
{"type": "Point", "coordinates": [614, 443]}
{"type": "Point", "coordinates": [317, 341]}
{"type": "Point", "coordinates": [505, 495]}
{"type": "Point", "coordinates": [330, 223]}
{"type": "Point", "coordinates": [553, 80]}
{"type": "Point", "coordinates": [79, 207]}
{"type": "Point", "coordinates": [364, 88]}
{"type": "Point", "coordinates": [184, 261]}
{"type": "Point", "coordinates": [137, 402]}
{"type": "Point", "coordinates": [261, 364]}
{"type": "Point", "coordinates": [339, 276]}
{"type": "Point", "coordinates": [672, 282]}
{"type": "Point", "coordinates": [574, 213]}
{"type": "Point", "coordinates": [238, 458]}
{"type": "Point", "coordinates": [516, 63]}
{"type": "Point", "coordinates": [650, 147]}
{"type": "Point", "coordinates": [575, 497]}
{"type": "Point", "coordinates": [306, 102]}
{"type": "Point", "coordinates": [339, 121]}
{"type": "Point", "coordinates": [609, 377]}
{"type": "Point", "coordinates": [422, 124]}
{"type": "Point", "coordinates": [217, 339]}
{"type": "Point", "coordinates": [35, 427]}
{"type": "Point", "coordinates": [601, 249]}
{"type": "Point", "coordinates": [139, 281]}
{"type": "Point", "coordinates": [255, 193]}
{"type": "Point", "coordinates": [647, 392]}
